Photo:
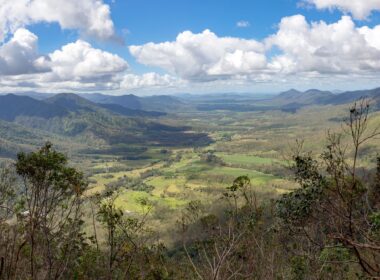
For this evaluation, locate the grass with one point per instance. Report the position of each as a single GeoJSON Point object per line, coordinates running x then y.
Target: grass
{"type": "Point", "coordinates": [249, 160]}
{"type": "Point", "coordinates": [185, 179]}
{"type": "Point", "coordinates": [255, 176]}
{"type": "Point", "coordinates": [162, 185]}
{"type": "Point", "coordinates": [131, 201]}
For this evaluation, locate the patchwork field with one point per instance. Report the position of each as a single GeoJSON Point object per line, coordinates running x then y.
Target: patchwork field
{"type": "Point", "coordinates": [244, 144]}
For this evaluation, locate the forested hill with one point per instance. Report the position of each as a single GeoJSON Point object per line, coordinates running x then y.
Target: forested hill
{"type": "Point", "coordinates": [12, 106]}
{"type": "Point", "coordinates": [88, 123]}
{"type": "Point", "coordinates": [162, 103]}
{"type": "Point", "coordinates": [318, 97]}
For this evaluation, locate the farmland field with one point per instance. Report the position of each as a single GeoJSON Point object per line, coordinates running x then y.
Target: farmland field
{"type": "Point", "coordinates": [244, 144]}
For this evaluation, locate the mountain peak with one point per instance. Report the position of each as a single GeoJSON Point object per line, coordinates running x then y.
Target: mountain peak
{"type": "Point", "coordinates": [12, 106]}
{"type": "Point", "coordinates": [71, 96]}
{"type": "Point", "coordinates": [71, 102]}
{"type": "Point", "coordinates": [290, 91]}
{"type": "Point", "coordinates": [318, 92]}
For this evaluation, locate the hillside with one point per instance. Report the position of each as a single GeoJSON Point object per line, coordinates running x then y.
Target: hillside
{"type": "Point", "coordinates": [101, 125]}
{"type": "Point", "coordinates": [98, 126]}
{"type": "Point", "coordinates": [351, 96]}
{"type": "Point", "coordinates": [127, 101]}
{"type": "Point", "coordinates": [115, 108]}
{"type": "Point", "coordinates": [74, 103]}
{"type": "Point", "coordinates": [161, 103]}
{"type": "Point", "coordinates": [292, 100]}
{"type": "Point", "coordinates": [13, 106]}
{"type": "Point", "coordinates": [312, 96]}
{"type": "Point", "coordinates": [15, 138]}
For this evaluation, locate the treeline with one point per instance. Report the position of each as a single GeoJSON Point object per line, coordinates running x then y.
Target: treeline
{"type": "Point", "coordinates": [328, 228]}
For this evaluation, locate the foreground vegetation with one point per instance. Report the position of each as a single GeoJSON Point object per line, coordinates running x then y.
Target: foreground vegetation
{"type": "Point", "coordinates": [326, 225]}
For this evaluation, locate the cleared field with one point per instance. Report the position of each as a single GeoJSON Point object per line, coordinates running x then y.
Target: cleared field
{"type": "Point", "coordinates": [240, 159]}
{"type": "Point", "coordinates": [164, 185]}
{"type": "Point", "coordinates": [136, 201]}
{"type": "Point", "coordinates": [186, 178]}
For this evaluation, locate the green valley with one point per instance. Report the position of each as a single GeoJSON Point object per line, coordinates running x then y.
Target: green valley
{"type": "Point", "coordinates": [155, 165]}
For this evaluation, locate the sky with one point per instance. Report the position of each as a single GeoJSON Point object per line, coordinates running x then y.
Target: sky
{"type": "Point", "coordinates": [188, 46]}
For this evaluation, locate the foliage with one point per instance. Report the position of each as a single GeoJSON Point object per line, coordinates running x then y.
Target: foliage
{"type": "Point", "coordinates": [49, 217]}
{"type": "Point", "coordinates": [333, 209]}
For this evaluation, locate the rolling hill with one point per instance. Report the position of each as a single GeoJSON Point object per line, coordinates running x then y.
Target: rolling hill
{"type": "Point", "coordinates": [100, 122]}
{"type": "Point", "coordinates": [311, 96]}
{"type": "Point", "coordinates": [82, 121]}
{"type": "Point", "coordinates": [293, 100]}
{"type": "Point", "coordinates": [73, 102]}
{"type": "Point", "coordinates": [13, 106]}
{"type": "Point", "coordinates": [161, 103]}
{"type": "Point", "coordinates": [314, 96]}
{"type": "Point", "coordinates": [351, 96]}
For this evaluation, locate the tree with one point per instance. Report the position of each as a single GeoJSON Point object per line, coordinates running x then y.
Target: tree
{"type": "Point", "coordinates": [7, 232]}
{"type": "Point", "coordinates": [236, 244]}
{"type": "Point", "coordinates": [127, 253]}
{"type": "Point", "coordinates": [50, 212]}
{"type": "Point", "coordinates": [332, 209]}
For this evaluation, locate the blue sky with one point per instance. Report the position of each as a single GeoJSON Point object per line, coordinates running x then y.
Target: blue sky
{"type": "Point", "coordinates": [142, 21]}
{"type": "Point", "coordinates": [118, 46]}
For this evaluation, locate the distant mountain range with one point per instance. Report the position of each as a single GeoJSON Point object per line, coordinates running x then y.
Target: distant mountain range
{"type": "Point", "coordinates": [288, 101]}
{"type": "Point", "coordinates": [13, 106]}
{"type": "Point", "coordinates": [293, 100]}
{"type": "Point", "coordinates": [60, 105]}
{"type": "Point", "coordinates": [25, 121]}
{"type": "Point", "coordinates": [158, 103]}
{"type": "Point", "coordinates": [96, 121]}
{"type": "Point", "coordinates": [161, 103]}
{"type": "Point", "coordinates": [351, 96]}
{"type": "Point", "coordinates": [154, 106]}
{"type": "Point", "coordinates": [314, 96]}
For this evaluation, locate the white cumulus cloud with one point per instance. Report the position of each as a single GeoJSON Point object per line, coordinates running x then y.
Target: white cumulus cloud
{"type": "Point", "coordinates": [91, 17]}
{"type": "Point", "coordinates": [337, 48]}
{"type": "Point", "coordinates": [79, 61]}
{"type": "Point", "coordinates": [203, 56]}
{"type": "Point", "coordinates": [299, 48]}
{"type": "Point", "coordinates": [360, 9]}
{"type": "Point", "coordinates": [148, 80]}
{"type": "Point", "coordinates": [298, 51]}
{"type": "Point", "coordinates": [20, 54]}
{"type": "Point", "coordinates": [76, 66]}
